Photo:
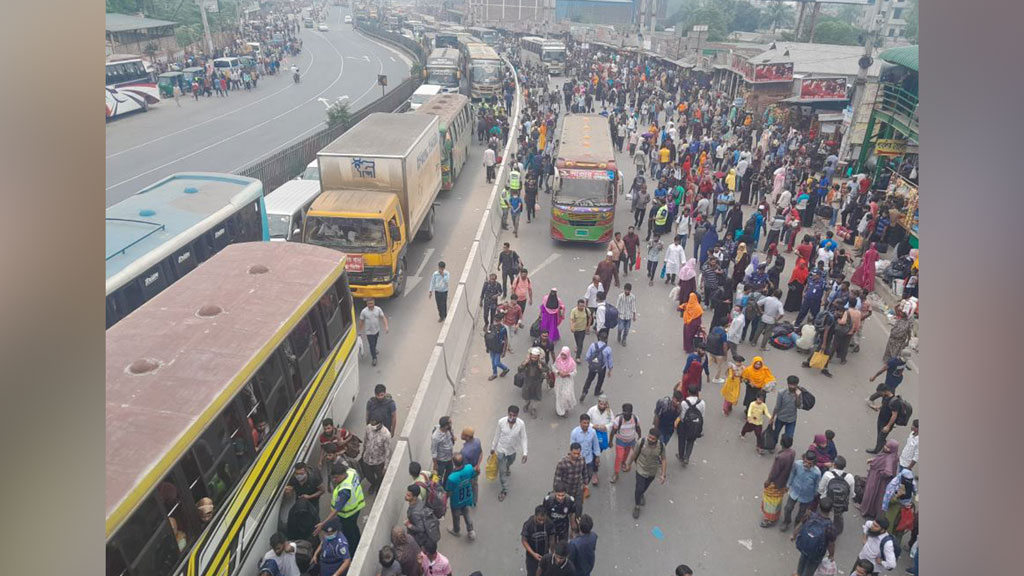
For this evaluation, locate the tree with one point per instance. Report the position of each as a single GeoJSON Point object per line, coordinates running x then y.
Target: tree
{"type": "Point", "coordinates": [778, 14]}
{"type": "Point", "coordinates": [836, 32]}
{"type": "Point", "coordinates": [746, 17]}
{"type": "Point", "coordinates": [186, 35]}
{"type": "Point", "coordinates": [911, 19]}
{"type": "Point", "coordinates": [338, 114]}
{"type": "Point", "coordinates": [150, 49]}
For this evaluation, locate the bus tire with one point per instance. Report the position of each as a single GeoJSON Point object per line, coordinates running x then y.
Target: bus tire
{"type": "Point", "coordinates": [427, 231]}
{"type": "Point", "coordinates": [400, 278]}
{"type": "Point", "coordinates": [145, 105]}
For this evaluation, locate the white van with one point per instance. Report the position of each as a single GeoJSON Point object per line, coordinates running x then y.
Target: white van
{"type": "Point", "coordinates": [312, 172]}
{"type": "Point", "coordinates": [228, 64]}
{"type": "Point", "coordinates": [422, 94]}
{"type": "Point", "coordinates": [286, 207]}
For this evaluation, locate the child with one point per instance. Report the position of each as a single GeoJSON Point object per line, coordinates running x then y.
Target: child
{"type": "Point", "coordinates": [511, 315]}
{"type": "Point", "coordinates": [830, 448]}
{"type": "Point", "coordinates": [731, 388]}
{"type": "Point", "coordinates": [756, 414]}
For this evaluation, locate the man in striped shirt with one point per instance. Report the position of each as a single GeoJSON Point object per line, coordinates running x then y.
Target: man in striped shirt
{"type": "Point", "coordinates": [626, 303]}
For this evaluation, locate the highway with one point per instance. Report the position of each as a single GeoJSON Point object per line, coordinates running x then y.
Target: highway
{"type": "Point", "coordinates": [225, 134]}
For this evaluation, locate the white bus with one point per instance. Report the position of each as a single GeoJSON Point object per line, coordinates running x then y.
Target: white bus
{"type": "Point", "coordinates": [542, 51]}
{"type": "Point", "coordinates": [484, 68]}
{"type": "Point", "coordinates": [130, 86]}
{"type": "Point", "coordinates": [488, 36]}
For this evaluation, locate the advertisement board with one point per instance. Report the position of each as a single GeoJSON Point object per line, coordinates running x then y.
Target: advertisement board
{"type": "Point", "coordinates": [823, 88]}
{"type": "Point", "coordinates": [890, 147]}
{"type": "Point", "coordinates": [782, 72]}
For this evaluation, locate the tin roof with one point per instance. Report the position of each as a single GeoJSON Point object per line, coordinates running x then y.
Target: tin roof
{"type": "Point", "coordinates": [126, 22]}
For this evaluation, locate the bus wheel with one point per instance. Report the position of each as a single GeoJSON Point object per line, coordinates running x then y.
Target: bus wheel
{"type": "Point", "coordinates": [400, 277]}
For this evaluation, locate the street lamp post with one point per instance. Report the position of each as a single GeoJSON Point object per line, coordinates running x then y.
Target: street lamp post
{"type": "Point", "coordinates": [860, 83]}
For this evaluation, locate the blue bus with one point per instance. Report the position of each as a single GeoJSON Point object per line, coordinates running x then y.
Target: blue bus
{"type": "Point", "coordinates": [163, 232]}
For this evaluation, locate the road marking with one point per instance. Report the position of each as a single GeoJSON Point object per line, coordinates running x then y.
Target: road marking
{"type": "Point", "coordinates": [548, 260]}
{"type": "Point", "coordinates": [414, 280]}
{"type": "Point", "coordinates": [312, 58]}
{"type": "Point", "coordinates": [392, 58]}
{"type": "Point", "coordinates": [426, 258]}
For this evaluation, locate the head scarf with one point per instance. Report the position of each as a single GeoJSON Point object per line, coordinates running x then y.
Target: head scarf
{"type": "Point", "coordinates": [758, 377]}
{"type": "Point", "coordinates": [689, 270]}
{"type": "Point", "coordinates": [820, 449]}
{"type": "Point", "coordinates": [564, 361]}
{"type": "Point", "coordinates": [553, 303]}
{"type": "Point", "coordinates": [886, 462]}
{"type": "Point", "coordinates": [741, 251]}
{"type": "Point", "coordinates": [800, 272]}
{"type": "Point", "coordinates": [693, 309]}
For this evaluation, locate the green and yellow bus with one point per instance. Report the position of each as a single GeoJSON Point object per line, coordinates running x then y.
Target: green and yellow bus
{"type": "Point", "coordinates": [455, 121]}
{"type": "Point", "coordinates": [215, 388]}
{"type": "Point", "coordinates": [587, 181]}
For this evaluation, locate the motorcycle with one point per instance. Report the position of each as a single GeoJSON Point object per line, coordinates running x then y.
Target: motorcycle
{"type": "Point", "coordinates": [296, 77]}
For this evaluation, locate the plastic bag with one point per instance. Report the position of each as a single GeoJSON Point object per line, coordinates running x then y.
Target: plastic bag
{"type": "Point", "coordinates": [826, 568]}
{"type": "Point", "coordinates": [491, 469]}
{"type": "Point", "coordinates": [819, 360]}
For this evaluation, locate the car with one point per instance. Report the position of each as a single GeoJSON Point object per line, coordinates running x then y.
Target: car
{"type": "Point", "coordinates": [322, 27]}
{"type": "Point", "coordinates": [348, 19]}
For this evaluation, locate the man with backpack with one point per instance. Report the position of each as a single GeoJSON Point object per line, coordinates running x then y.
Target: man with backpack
{"type": "Point", "coordinates": [894, 411]}
{"type": "Point", "coordinates": [837, 485]}
{"type": "Point", "coordinates": [606, 316]}
{"type": "Point", "coordinates": [496, 342]}
{"type": "Point", "coordinates": [666, 411]}
{"type": "Point", "coordinates": [599, 364]}
{"type": "Point", "coordinates": [649, 457]}
{"type": "Point", "coordinates": [815, 537]}
{"type": "Point", "coordinates": [420, 521]}
{"type": "Point", "coordinates": [691, 423]}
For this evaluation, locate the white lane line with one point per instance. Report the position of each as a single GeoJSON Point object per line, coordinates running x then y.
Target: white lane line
{"type": "Point", "coordinates": [392, 58]}
{"type": "Point", "coordinates": [548, 260]}
{"type": "Point", "coordinates": [312, 58]}
{"type": "Point", "coordinates": [426, 258]}
{"type": "Point", "coordinates": [237, 134]}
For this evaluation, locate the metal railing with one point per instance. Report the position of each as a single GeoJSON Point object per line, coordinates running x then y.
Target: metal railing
{"type": "Point", "coordinates": [899, 104]}
{"type": "Point", "coordinates": [283, 165]}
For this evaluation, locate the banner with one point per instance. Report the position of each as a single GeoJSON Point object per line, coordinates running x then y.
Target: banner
{"type": "Point", "coordinates": [889, 147]}
{"type": "Point", "coordinates": [782, 72]}
{"type": "Point", "coordinates": [823, 88]}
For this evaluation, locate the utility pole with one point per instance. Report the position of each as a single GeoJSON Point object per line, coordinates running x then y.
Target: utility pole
{"type": "Point", "coordinates": [814, 20]}
{"type": "Point", "coordinates": [206, 26]}
{"type": "Point", "coordinates": [860, 83]}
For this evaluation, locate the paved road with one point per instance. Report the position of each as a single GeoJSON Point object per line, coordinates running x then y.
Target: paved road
{"type": "Point", "coordinates": [225, 134]}
{"type": "Point", "coordinates": [707, 513]}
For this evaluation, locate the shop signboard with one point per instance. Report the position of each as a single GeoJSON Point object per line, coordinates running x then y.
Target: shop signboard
{"type": "Point", "coordinates": [743, 67]}
{"type": "Point", "coordinates": [890, 147]}
{"type": "Point", "coordinates": [782, 72]}
{"type": "Point", "coordinates": [823, 88]}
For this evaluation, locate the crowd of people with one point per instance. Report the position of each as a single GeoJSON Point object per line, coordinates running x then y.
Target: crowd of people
{"type": "Point", "coordinates": [724, 212]}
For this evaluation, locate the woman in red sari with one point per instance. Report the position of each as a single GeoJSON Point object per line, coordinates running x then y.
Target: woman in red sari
{"type": "Point", "coordinates": [864, 275]}
{"type": "Point", "coordinates": [792, 227]}
{"type": "Point", "coordinates": [797, 281]}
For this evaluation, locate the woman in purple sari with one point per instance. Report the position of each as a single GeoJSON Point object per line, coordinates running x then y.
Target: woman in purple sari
{"type": "Point", "coordinates": [552, 312]}
{"type": "Point", "coordinates": [881, 470]}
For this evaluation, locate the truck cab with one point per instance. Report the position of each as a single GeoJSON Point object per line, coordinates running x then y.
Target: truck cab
{"type": "Point", "coordinates": [369, 227]}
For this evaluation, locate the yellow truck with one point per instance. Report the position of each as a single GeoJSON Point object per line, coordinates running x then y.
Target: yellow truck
{"type": "Point", "coordinates": [379, 181]}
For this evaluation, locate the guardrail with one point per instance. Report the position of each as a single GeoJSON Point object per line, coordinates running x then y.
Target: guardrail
{"type": "Point", "coordinates": [280, 167]}
{"type": "Point", "coordinates": [439, 384]}
{"type": "Point", "coordinates": [415, 49]}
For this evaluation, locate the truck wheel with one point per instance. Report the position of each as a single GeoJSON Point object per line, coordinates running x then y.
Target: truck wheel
{"type": "Point", "coordinates": [400, 278]}
{"type": "Point", "coordinates": [427, 232]}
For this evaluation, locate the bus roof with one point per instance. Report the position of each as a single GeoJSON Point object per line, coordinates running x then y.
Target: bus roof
{"type": "Point", "coordinates": [122, 57]}
{"type": "Point", "coordinates": [200, 362]}
{"type": "Point", "coordinates": [159, 213]}
{"type": "Point", "coordinates": [480, 51]}
{"type": "Point", "coordinates": [586, 138]}
{"type": "Point", "coordinates": [291, 196]}
{"type": "Point", "coordinates": [445, 106]}
{"type": "Point", "coordinates": [442, 54]}
{"type": "Point", "coordinates": [381, 134]}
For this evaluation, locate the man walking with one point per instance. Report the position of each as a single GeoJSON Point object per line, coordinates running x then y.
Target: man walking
{"type": "Point", "coordinates": [496, 342]}
{"type": "Point", "coordinates": [815, 538]}
{"type": "Point", "coordinates": [376, 453]}
{"type": "Point", "coordinates": [785, 413]}
{"type": "Point", "coordinates": [879, 548]}
{"type": "Point", "coordinates": [691, 425]}
{"type": "Point", "coordinates": [626, 305]}
{"type": "Point", "coordinates": [665, 413]}
{"type": "Point", "coordinates": [489, 162]}
{"type": "Point", "coordinates": [439, 290]}
{"type": "Point", "coordinates": [599, 364]}
{"type": "Point", "coordinates": [442, 446]}
{"type": "Point", "coordinates": [472, 453]}
{"type": "Point", "coordinates": [346, 503]}
{"type": "Point", "coordinates": [382, 408]}
{"type": "Point", "coordinates": [489, 297]}
{"type": "Point", "coordinates": [649, 457]}
{"type": "Point", "coordinates": [537, 537]}
{"type": "Point", "coordinates": [586, 436]}
{"type": "Point", "coordinates": [370, 320]}
{"type": "Point", "coordinates": [837, 485]}
{"type": "Point", "coordinates": [803, 486]}
{"type": "Point", "coordinates": [460, 486]}
{"type": "Point", "coordinates": [522, 289]}
{"type": "Point", "coordinates": [771, 312]}
{"type": "Point", "coordinates": [562, 508]}
{"type": "Point", "coordinates": [509, 263]}
{"type": "Point", "coordinates": [580, 320]}
{"type": "Point", "coordinates": [509, 435]}
{"type": "Point", "coordinates": [632, 242]}
{"type": "Point", "coordinates": [583, 548]}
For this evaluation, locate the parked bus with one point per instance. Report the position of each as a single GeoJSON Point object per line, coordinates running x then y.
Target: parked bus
{"type": "Point", "coordinates": [542, 51]}
{"type": "Point", "coordinates": [587, 181]}
{"type": "Point", "coordinates": [130, 86]}
{"type": "Point", "coordinates": [484, 68]}
{"type": "Point", "coordinates": [214, 390]}
{"type": "Point", "coordinates": [487, 35]}
{"type": "Point", "coordinates": [455, 122]}
{"type": "Point", "coordinates": [446, 39]}
{"type": "Point", "coordinates": [162, 233]}
{"type": "Point", "coordinates": [444, 68]}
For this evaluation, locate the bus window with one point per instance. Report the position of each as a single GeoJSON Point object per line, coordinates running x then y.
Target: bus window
{"type": "Point", "coordinates": [146, 541]}
{"type": "Point", "coordinates": [332, 315]}
{"type": "Point", "coordinates": [344, 299]}
{"type": "Point", "coordinates": [250, 227]}
{"type": "Point", "coordinates": [203, 248]}
{"type": "Point", "coordinates": [114, 309]}
{"type": "Point", "coordinates": [183, 261]}
{"type": "Point", "coordinates": [221, 481]}
{"type": "Point", "coordinates": [270, 375]}
{"type": "Point", "coordinates": [193, 476]}
{"type": "Point", "coordinates": [219, 237]}
{"type": "Point", "coordinates": [305, 350]}
{"type": "Point", "coordinates": [212, 445]}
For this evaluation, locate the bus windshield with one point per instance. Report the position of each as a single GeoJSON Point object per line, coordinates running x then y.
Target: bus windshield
{"type": "Point", "coordinates": [442, 76]}
{"type": "Point", "coordinates": [554, 56]}
{"type": "Point", "coordinates": [363, 235]}
{"type": "Point", "coordinates": [279, 225]}
{"type": "Point", "coordinates": [486, 72]}
{"type": "Point", "coordinates": [578, 192]}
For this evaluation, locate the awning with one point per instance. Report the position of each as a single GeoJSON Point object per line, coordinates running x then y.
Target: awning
{"type": "Point", "coordinates": [812, 101]}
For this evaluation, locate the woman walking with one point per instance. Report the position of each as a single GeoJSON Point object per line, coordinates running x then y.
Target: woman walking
{"type": "Point", "coordinates": [740, 263]}
{"type": "Point", "coordinates": [687, 281]}
{"type": "Point", "coordinates": [535, 372]}
{"type": "Point", "coordinates": [692, 314]}
{"type": "Point", "coordinates": [797, 281]}
{"type": "Point", "coordinates": [756, 376]}
{"type": "Point", "coordinates": [552, 312]}
{"type": "Point", "coordinates": [881, 470]}
{"type": "Point", "coordinates": [565, 382]}
{"type": "Point", "coordinates": [900, 334]}
{"type": "Point", "coordinates": [864, 275]}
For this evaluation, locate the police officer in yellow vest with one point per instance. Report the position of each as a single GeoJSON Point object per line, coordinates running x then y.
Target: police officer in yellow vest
{"type": "Point", "coordinates": [661, 219]}
{"type": "Point", "coordinates": [503, 204]}
{"type": "Point", "coordinates": [346, 502]}
{"type": "Point", "coordinates": [514, 179]}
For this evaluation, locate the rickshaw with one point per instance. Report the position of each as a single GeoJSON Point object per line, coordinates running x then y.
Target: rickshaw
{"type": "Point", "coordinates": [193, 73]}
{"type": "Point", "coordinates": [168, 80]}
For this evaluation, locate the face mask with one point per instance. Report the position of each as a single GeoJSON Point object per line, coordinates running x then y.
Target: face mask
{"type": "Point", "coordinates": [300, 477]}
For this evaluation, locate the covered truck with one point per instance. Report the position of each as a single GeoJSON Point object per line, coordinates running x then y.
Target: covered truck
{"type": "Point", "coordinates": [379, 181]}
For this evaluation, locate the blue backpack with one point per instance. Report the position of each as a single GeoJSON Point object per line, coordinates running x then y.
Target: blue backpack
{"type": "Point", "coordinates": [811, 540]}
{"type": "Point", "coordinates": [611, 316]}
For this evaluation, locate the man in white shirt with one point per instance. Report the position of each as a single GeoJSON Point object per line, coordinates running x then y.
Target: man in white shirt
{"type": "Point", "coordinates": [783, 202]}
{"type": "Point", "coordinates": [590, 294]}
{"type": "Point", "coordinates": [489, 161]}
{"type": "Point", "coordinates": [734, 335]}
{"type": "Point", "coordinates": [773, 310]}
{"type": "Point", "coordinates": [879, 548]}
{"type": "Point", "coordinates": [908, 457]}
{"type": "Point", "coordinates": [838, 470]}
{"type": "Point", "coordinates": [281, 555]}
{"type": "Point", "coordinates": [509, 435]}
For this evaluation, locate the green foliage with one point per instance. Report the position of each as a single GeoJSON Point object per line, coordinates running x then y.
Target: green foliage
{"type": "Point", "coordinates": [183, 12]}
{"type": "Point", "coordinates": [338, 114]}
{"type": "Point", "coordinates": [188, 35]}
{"type": "Point", "coordinates": [745, 18]}
{"type": "Point", "coordinates": [836, 32]}
{"type": "Point", "coordinates": [416, 70]}
{"type": "Point", "coordinates": [910, 16]}
{"type": "Point", "coordinates": [777, 15]}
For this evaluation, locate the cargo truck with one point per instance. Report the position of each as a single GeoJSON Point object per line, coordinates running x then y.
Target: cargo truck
{"type": "Point", "coordinates": [379, 181]}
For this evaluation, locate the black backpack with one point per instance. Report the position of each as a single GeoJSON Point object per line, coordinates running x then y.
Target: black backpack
{"type": "Point", "coordinates": [748, 228]}
{"type": "Point", "coordinates": [692, 425]}
{"type": "Point", "coordinates": [596, 360]}
{"type": "Point", "coordinates": [492, 339]}
{"type": "Point", "coordinates": [904, 412]}
{"type": "Point", "coordinates": [302, 520]}
{"type": "Point", "coordinates": [838, 490]}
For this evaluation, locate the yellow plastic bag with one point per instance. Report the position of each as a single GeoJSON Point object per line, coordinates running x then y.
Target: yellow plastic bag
{"type": "Point", "coordinates": [731, 388]}
{"type": "Point", "coordinates": [492, 467]}
{"type": "Point", "coordinates": [819, 360]}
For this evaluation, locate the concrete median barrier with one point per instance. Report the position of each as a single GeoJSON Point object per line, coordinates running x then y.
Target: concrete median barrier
{"type": "Point", "coordinates": [388, 510]}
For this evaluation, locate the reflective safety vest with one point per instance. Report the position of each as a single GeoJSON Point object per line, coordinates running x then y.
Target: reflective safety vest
{"type": "Point", "coordinates": [513, 180]}
{"type": "Point", "coordinates": [355, 501]}
{"type": "Point", "coordinates": [661, 217]}
{"type": "Point", "coordinates": [504, 198]}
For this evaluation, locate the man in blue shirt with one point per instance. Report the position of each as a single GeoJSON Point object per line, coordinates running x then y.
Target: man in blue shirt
{"type": "Point", "coordinates": [333, 554]}
{"type": "Point", "coordinates": [515, 208]}
{"type": "Point", "coordinates": [459, 486]}
{"type": "Point", "coordinates": [803, 486]}
{"type": "Point", "coordinates": [439, 290]}
{"type": "Point", "coordinates": [599, 363]}
{"type": "Point", "coordinates": [590, 448]}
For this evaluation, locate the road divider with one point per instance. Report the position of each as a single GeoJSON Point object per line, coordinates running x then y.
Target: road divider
{"type": "Point", "coordinates": [442, 376]}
